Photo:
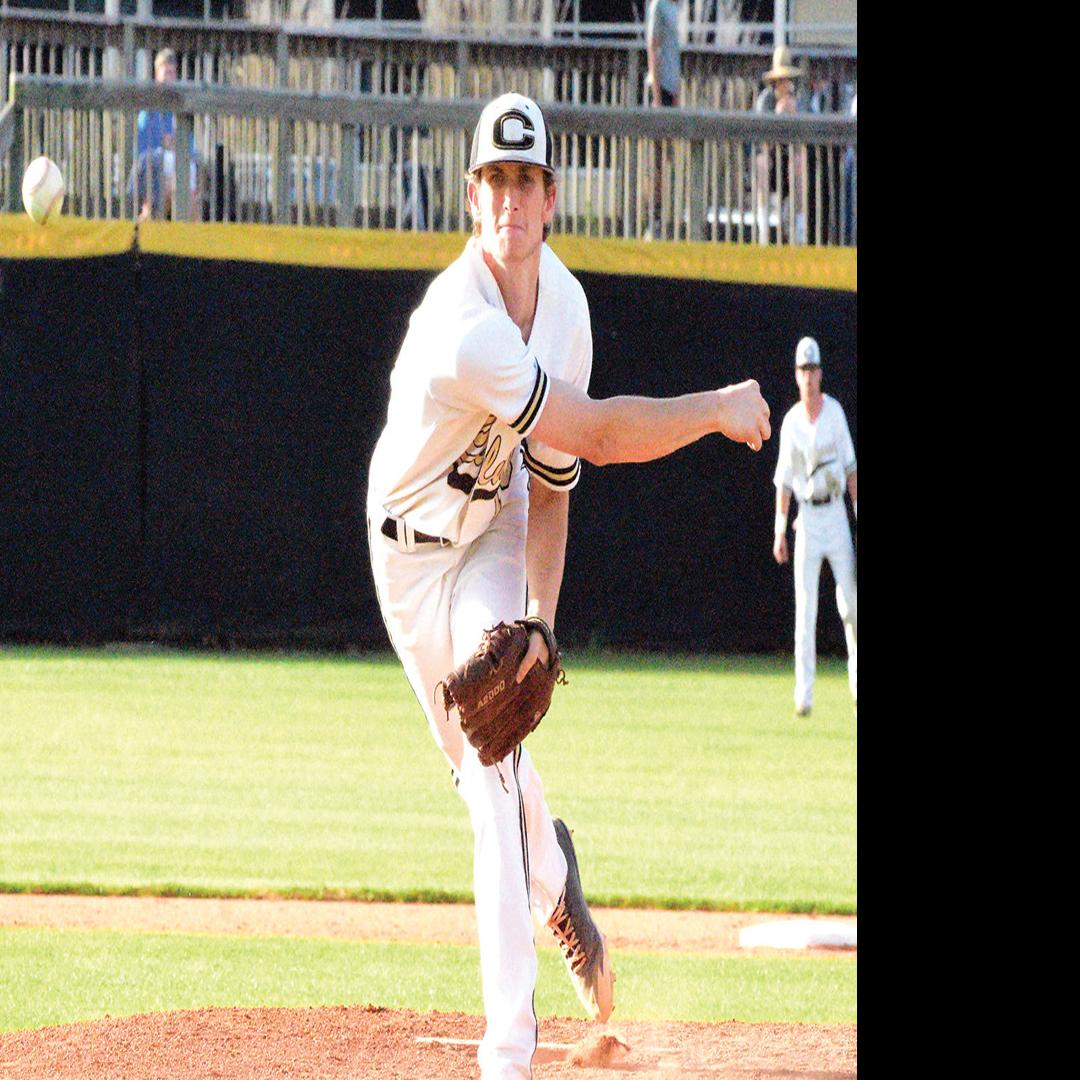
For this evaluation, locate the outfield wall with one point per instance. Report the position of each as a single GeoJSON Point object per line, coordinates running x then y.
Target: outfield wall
{"type": "Point", "coordinates": [185, 427]}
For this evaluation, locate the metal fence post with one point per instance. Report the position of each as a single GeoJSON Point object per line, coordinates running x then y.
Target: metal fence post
{"type": "Point", "coordinates": [632, 78]}
{"type": "Point", "coordinates": [16, 162]}
{"type": "Point", "coordinates": [3, 69]}
{"type": "Point", "coordinates": [128, 56]}
{"type": "Point", "coordinates": [182, 198]}
{"type": "Point", "coordinates": [347, 180]}
{"type": "Point", "coordinates": [461, 68]}
{"type": "Point", "coordinates": [416, 203]}
{"type": "Point", "coordinates": [283, 164]}
{"type": "Point", "coordinates": [282, 170]}
{"type": "Point", "coordinates": [853, 239]}
{"type": "Point", "coordinates": [281, 58]}
{"type": "Point", "coordinates": [697, 189]}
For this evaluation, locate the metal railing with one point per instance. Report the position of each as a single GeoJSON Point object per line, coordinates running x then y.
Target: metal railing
{"type": "Point", "coordinates": [384, 161]}
{"type": "Point", "coordinates": [711, 29]}
{"type": "Point", "coordinates": [388, 58]}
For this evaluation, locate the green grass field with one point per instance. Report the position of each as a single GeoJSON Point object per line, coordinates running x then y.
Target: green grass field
{"type": "Point", "coordinates": [688, 782]}
{"type": "Point", "coordinates": [53, 977]}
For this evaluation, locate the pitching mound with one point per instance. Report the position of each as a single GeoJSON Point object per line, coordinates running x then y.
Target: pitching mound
{"type": "Point", "coordinates": [353, 1042]}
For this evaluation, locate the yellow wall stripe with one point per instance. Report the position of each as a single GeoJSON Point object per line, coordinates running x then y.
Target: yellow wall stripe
{"type": "Point", "coordinates": [362, 249]}
{"type": "Point", "coordinates": [822, 268]}
{"type": "Point", "coordinates": [806, 267]}
{"type": "Point", "coordinates": [749, 264]}
{"type": "Point", "coordinates": [63, 238]}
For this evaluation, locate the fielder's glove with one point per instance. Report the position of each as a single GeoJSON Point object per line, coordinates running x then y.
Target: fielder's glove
{"type": "Point", "coordinates": [496, 712]}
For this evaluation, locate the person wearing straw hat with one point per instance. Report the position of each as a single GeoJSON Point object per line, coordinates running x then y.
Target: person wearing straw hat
{"type": "Point", "coordinates": [780, 82]}
{"type": "Point", "coordinates": [779, 96]}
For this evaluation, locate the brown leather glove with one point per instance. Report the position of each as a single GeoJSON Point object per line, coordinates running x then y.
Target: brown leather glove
{"type": "Point", "coordinates": [496, 712]}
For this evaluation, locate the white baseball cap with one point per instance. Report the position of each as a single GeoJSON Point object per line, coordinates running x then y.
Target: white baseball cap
{"type": "Point", "coordinates": [511, 128]}
{"type": "Point", "coordinates": [807, 353]}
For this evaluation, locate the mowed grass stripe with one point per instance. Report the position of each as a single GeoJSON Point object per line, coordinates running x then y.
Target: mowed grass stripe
{"type": "Point", "coordinates": [687, 780]}
{"type": "Point", "coordinates": [50, 977]}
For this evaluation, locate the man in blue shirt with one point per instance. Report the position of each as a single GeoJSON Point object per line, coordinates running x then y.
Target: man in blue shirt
{"type": "Point", "coordinates": [153, 181]}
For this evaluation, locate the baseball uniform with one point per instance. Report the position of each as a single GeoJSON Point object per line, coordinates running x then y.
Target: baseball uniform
{"type": "Point", "coordinates": [816, 457]}
{"type": "Point", "coordinates": [447, 509]}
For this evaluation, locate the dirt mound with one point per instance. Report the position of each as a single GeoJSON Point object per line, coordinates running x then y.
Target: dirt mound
{"type": "Point", "coordinates": [359, 1042]}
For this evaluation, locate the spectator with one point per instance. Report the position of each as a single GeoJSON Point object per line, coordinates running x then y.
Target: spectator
{"type": "Point", "coordinates": [780, 169]}
{"type": "Point", "coordinates": [153, 181]}
{"type": "Point", "coordinates": [850, 185]}
{"type": "Point", "coordinates": [662, 47]}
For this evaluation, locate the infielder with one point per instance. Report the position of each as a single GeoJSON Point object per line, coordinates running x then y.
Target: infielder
{"type": "Point", "coordinates": [468, 498]}
{"type": "Point", "coordinates": [817, 462]}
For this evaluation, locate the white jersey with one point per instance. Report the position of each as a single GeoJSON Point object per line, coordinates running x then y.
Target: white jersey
{"type": "Point", "coordinates": [465, 393]}
{"type": "Point", "coordinates": [815, 458]}
{"type": "Point", "coordinates": [815, 462]}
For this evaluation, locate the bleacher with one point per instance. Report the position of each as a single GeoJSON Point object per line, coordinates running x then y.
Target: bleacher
{"type": "Point", "coordinates": [366, 123]}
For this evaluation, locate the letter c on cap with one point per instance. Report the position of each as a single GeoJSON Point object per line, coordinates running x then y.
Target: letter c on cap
{"type": "Point", "coordinates": [514, 131]}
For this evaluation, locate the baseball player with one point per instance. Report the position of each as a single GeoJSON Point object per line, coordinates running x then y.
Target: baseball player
{"type": "Point", "coordinates": [468, 497]}
{"type": "Point", "coordinates": [817, 462]}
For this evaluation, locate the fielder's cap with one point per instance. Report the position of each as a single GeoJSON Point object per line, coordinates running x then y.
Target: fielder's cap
{"type": "Point", "coordinates": [807, 353]}
{"type": "Point", "coordinates": [511, 128]}
{"type": "Point", "coordinates": [782, 67]}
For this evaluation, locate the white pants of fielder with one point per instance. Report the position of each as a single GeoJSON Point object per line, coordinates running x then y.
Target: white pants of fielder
{"type": "Point", "coordinates": [436, 603]}
{"type": "Point", "coordinates": [822, 533]}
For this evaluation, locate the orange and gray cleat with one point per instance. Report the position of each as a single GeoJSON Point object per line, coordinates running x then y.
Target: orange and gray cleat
{"type": "Point", "coordinates": [583, 946]}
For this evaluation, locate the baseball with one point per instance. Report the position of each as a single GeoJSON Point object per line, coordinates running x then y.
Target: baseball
{"type": "Point", "coordinates": [42, 190]}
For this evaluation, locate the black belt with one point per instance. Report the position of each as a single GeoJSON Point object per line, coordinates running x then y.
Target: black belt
{"type": "Point", "coordinates": [390, 529]}
{"type": "Point", "coordinates": [824, 501]}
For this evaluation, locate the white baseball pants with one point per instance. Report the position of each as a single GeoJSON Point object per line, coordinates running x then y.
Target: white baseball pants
{"type": "Point", "coordinates": [436, 603]}
{"type": "Point", "coordinates": [823, 533]}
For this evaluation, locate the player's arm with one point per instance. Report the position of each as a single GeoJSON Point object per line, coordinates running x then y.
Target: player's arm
{"type": "Point", "coordinates": [783, 503]}
{"type": "Point", "coordinates": [625, 428]}
{"type": "Point", "coordinates": [545, 558]}
{"type": "Point", "coordinates": [853, 490]}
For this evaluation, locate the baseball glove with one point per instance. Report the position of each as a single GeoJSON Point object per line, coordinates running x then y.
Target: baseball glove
{"type": "Point", "coordinates": [496, 712]}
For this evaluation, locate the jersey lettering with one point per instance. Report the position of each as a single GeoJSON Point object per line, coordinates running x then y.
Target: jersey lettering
{"type": "Point", "coordinates": [478, 473]}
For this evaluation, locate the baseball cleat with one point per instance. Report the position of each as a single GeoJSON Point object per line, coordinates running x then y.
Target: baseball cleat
{"type": "Point", "coordinates": [802, 710]}
{"type": "Point", "coordinates": [583, 947]}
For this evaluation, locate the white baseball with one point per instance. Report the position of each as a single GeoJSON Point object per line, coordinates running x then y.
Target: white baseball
{"type": "Point", "coordinates": [42, 190]}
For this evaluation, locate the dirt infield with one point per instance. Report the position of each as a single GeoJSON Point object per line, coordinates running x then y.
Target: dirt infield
{"type": "Point", "coordinates": [708, 932]}
{"type": "Point", "coordinates": [361, 1042]}
{"type": "Point", "coordinates": [339, 1043]}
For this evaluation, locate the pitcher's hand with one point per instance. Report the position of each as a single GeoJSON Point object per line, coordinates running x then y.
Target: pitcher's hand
{"type": "Point", "coordinates": [744, 414]}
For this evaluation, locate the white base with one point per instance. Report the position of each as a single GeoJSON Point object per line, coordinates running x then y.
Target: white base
{"type": "Point", "coordinates": [799, 934]}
